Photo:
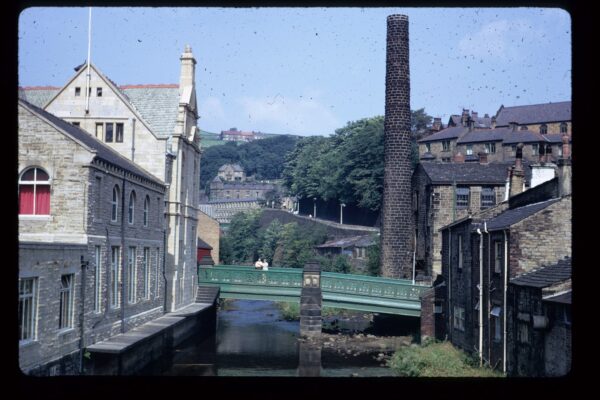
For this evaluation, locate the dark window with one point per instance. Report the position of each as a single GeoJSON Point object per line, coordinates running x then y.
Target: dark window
{"type": "Point", "coordinates": [109, 132]}
{"type": "Point", "coordinates": [65, 318]}
{"type": "Point", "coordinates": [77, 91]}
{"type": "Point", "coordinates": [114, 204]}
{"type": "Point", "coordinates": [535, 149]}
{"type": "Point", "coordinates": [523, 128]}
{"type": "Point", "coordinates": [488, 198]}
{"type": "Point", "coordinates": [75, 123]}
{"type": "Point", "coordinates": [497, 257]}
{"type": "Point", "coordinates": [131, 207]}
{"type": "Point", "coordinates": [563, 127]}
{"type": "Point", "coordinates": [543, 129]}
{"type": "Point", "coordinates": [119, 133]}
{"type": "Point", "coordinates": [490, 148]}
{"type": "Point", "coordinates": [146, 210]}
{"type": "Point", "coordinates": [446, 145]}
{"type": "Point", "coordinates": [460, 252]}
{"type": "Point", "coordinates": [99, 92]}
{"type": "Point", "coordinates": [428, 147]}
{"type": "Point", "coordinates": [462, 197]}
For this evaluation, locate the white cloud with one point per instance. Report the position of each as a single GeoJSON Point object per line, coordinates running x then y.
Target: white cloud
{"type": "Point", "coordinates": [500, 39]}
{"type": "Point", "coordinates": [305, 115]}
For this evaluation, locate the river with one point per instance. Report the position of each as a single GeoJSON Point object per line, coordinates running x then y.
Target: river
{"type": "Point", "coordinates": [252, 339]}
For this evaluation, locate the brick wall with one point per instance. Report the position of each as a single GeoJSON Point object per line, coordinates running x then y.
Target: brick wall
{"type": "Point", "coordinates": [397, 225]}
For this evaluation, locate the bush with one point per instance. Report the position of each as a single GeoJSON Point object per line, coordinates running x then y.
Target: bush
{"type": "Point", "coordinates": [289, 311]}
{"type": "Point", "coordinates": [437, 359]}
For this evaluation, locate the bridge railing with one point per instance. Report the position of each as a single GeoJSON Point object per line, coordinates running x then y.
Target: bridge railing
{"type": "Point", "coordinates": [331, 282]}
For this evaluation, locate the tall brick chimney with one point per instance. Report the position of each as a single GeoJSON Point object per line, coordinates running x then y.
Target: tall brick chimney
{"type": "Point", "coordinates": [437, 124]}
{"type": "Point", "coordinates": [397, 232]}
{"type": "Point", "coordinates": [517, 174]}
{"type": "Point", "coordinates": [564, 168]}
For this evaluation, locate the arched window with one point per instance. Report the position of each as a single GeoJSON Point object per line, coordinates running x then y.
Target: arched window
{"type": "Point", "coordinates": [563, 127]}
{"type": "Point", "coordinates": [543, 129]}
{"type": "Point", "coordinates": [34, 192]}
{"type": "Point", "coordinates": [131, 208]}
{"type": "Point", "coordinates": [115, 204]}
{"type": "Point", "coordinates": [146, 210]}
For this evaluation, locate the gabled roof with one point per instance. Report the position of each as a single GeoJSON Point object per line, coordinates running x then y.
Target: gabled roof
{"type": "Point", "coordinates": [356, 241]}
{"type": "Point", "coordinates": [470, 173]}
{"type": "Point", "coordinates": [157, 104]}
{"type": "Point", "coordinates": [427, 156]}
{"type": "Point", "coordinates": [534, 113]}
{"type": "Point", "coordinates": [236, 167]}
{"type": "Point", "coordinates": [511, 217]}
{"type": "Point", "coordinates": [102, 151]}
{"type": "Point", "coordinates": [563, 298]}
{"type": "Point", "coordinates": [545, 276]}
{"type": "Point", "coordinates": [446, 134]}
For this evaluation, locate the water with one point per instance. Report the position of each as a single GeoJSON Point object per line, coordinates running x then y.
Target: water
{"type": "Point", "coordinates": [252, 339]}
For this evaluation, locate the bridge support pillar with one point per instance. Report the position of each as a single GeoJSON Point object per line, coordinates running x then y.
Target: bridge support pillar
{"type": "Point", "coordinates": [310, 301]}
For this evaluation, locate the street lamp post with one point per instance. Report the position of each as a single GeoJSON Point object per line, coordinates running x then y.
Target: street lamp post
{"type": "Point", "coordinates": [314, 207]}
{"type": "Point", "coordinates": [342, 205]}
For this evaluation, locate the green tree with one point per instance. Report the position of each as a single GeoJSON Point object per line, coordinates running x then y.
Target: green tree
{"type": "Point", "coordinates": [373, 257]}
{"type": "Point", "coordinates": [243, 236]}
{"type": "Point", "coordinates": [270, 240]}
{"type": "Point", "coordinates": [341, 264]}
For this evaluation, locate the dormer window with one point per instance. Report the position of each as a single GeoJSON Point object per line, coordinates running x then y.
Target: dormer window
{"type": "Point", "coordinates": [77, 91]}
{"type": "Point", "coordinates": [99, 92]}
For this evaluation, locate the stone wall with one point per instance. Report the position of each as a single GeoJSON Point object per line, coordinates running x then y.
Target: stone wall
{"type": "Point", "coordinates": [541, 239]}
{"type": "Point", "coordinates": [397, 226]}
{"type": "Point", "coordinates": [209, 232]}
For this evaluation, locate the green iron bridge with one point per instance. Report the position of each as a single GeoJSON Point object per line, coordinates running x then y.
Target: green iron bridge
{"type": "Point", "coordinates": [347, 291]}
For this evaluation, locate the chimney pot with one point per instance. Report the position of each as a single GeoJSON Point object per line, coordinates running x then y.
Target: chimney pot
{"type": "Point", "coordinates": [459, 158]}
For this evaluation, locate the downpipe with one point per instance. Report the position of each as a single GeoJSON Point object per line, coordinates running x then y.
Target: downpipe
{"type": "Point", "coordinates": [504, 302]}
{"type": "Point", "coordinates": [480, 287]}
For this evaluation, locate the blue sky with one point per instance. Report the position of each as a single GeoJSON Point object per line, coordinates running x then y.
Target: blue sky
{"type": "Point", "coordinates": [308, 71]}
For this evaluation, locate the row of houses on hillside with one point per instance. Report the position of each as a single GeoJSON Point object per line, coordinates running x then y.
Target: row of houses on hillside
{"type": "Point", "coordinates": [108, 212]}
{"type": "Point", "coordinates": [504, 292]}
{"type": "Point", "coordinates": [540, 127]}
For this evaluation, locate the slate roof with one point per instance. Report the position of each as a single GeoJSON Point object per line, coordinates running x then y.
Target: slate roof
{"type": "Point", "coordinates": [519, 136]}
{"type": "Point", "coordinates": [157, 104]}
{"type": "Point", "coordinates": [483, 135]}
{"type": "Point", "coordinates": [545, 276]}
{"type": "Point", "coordinates": [246, 186]}
{"type": "Point", "coordinates": [427, 156]}
{"type": "Point", "coordinates": [534, 113]}
{"type": "Point", "coordinates": [203, 245]}
{"type": "Point", "coordinates": [564, 298]}
{"type": "Point", "coordinates": [103, 151]}
{"type": "Point", "coordinates": [357, 241]}
{"type": "Point", "coordinates": [470, 173]}
{"type": "Point", "coordinates": [229, 201]}
{"type": "Point", "coordinates": [511, 217]}
{"type": "Point", "coordinates": [448, 133]}
{"type": "Point", "coordinates": [236, 167]}
{"type": "Point", "coordinates": [555, 137]}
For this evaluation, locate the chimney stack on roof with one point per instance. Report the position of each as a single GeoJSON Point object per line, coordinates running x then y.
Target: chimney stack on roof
{"type": "Point", "coordinates": [465, 117]}
{"type": "Point", "coordinates": [474, 115]}
{"type": "Point", "coordinates": [437, 124]}
{"type": "Point", "coordinates": [513, 125]}
{"type": "Point", "coordinates": [459, 158]}
{"type": "Point", "coordinates": [493, 122]}
{"type": "Point", "coordinates": [564, 168]}
{"type": "Point", "coordinates": [516, 173]}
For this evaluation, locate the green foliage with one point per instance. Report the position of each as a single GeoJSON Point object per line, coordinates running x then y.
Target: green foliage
{"type": "Point", "coordinates": [243, 239]}
{"type": "Point", "coordinates": [436, 359]}
{"type": "Point", "coordinates": [347, 166]}
{"type": "Point", "coordinates": [262, 158]}
{"type": "Point", "coordinates": [270, 238]}
{"type": "Point", "coordinates": [297, 244]}
{"type": "Point", "coordinates": [373, 255]}
{"type": "Point", "coordinates": [289, 311]}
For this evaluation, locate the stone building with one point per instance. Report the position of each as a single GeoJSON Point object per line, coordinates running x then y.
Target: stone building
{"type": "Point", "coordinates": [231, 183]}
{"type": "Point", "coordinates": [240, 136]}
{"type": "Point", "coordinates": [154, 126]}
{"type": "Point", "coordinates": [209, 232]}
{"type": "Point", "coordinates": [539, 321]}
{"type": "Point", "coordinates": [483, 251]}
{"type": "Point", "coordinates": [538, 127]}
{"type": "Point", "coordinates": [443, 193]}
{"type": "Point", "coordinates": [91, 243]}
{"type": "Point", "coordinates": [224, 210]}
{"type": "Point", "coordinates": [354, 247]}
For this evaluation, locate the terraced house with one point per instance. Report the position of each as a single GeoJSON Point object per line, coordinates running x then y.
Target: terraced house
{"type": "Point", "coordinates": [108, 192]}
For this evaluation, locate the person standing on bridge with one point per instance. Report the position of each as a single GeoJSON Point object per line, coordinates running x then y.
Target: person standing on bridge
{"type": "Point", "coordinates": [258, 264]}
{"type": "Point", "coordinates": [265, 265]}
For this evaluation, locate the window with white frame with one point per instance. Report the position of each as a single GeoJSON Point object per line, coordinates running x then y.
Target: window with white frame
{"type": "Point", "coordinates": [27, 308]}
{"type": "Point", "coordinates": [428, 147]}
{"type": "Point", "coordinates": [65, 313]}
{"type": "Point", "coordinates": [115, 276]}
{"type": "Point", "coordinates": [119, 132]}
{"type": "Point", "coordinates": [131, 275]}
{"type": "Point", "coordinates": [488, 198]}
{"type": "Point", "coordinates": [497, 257]}
{"type": "Point", "coordinates": [490, 148]}
{"type": "Point", "coordinates": [34, 192]}
{"type": "Point", "coordinates": [114, 209]}
{"type": "Point", "coordinates": [446, 145]}
{"type": "Point", "coordinates": [131, 208]}
{"type": "Point", "coordinates": [469, 149]}
{"type": "Point", "coordinates": [146, 268]}
{"type": "Point", "coordinates": [146, 210]}
{"type": "Point", "coordinates": [98, 279]}
{"type": "Point", "coordinates": [462, 197]}
{"type": "Point", "coordinates": [535, 149]}
{"type": "Point", "coordinates": [459, 318]}
{"type": "Point", "coordinates": [460, 252]}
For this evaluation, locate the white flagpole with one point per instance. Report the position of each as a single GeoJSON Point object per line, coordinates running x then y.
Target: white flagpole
{"type": "Point", "coordinates": [87, 89]}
